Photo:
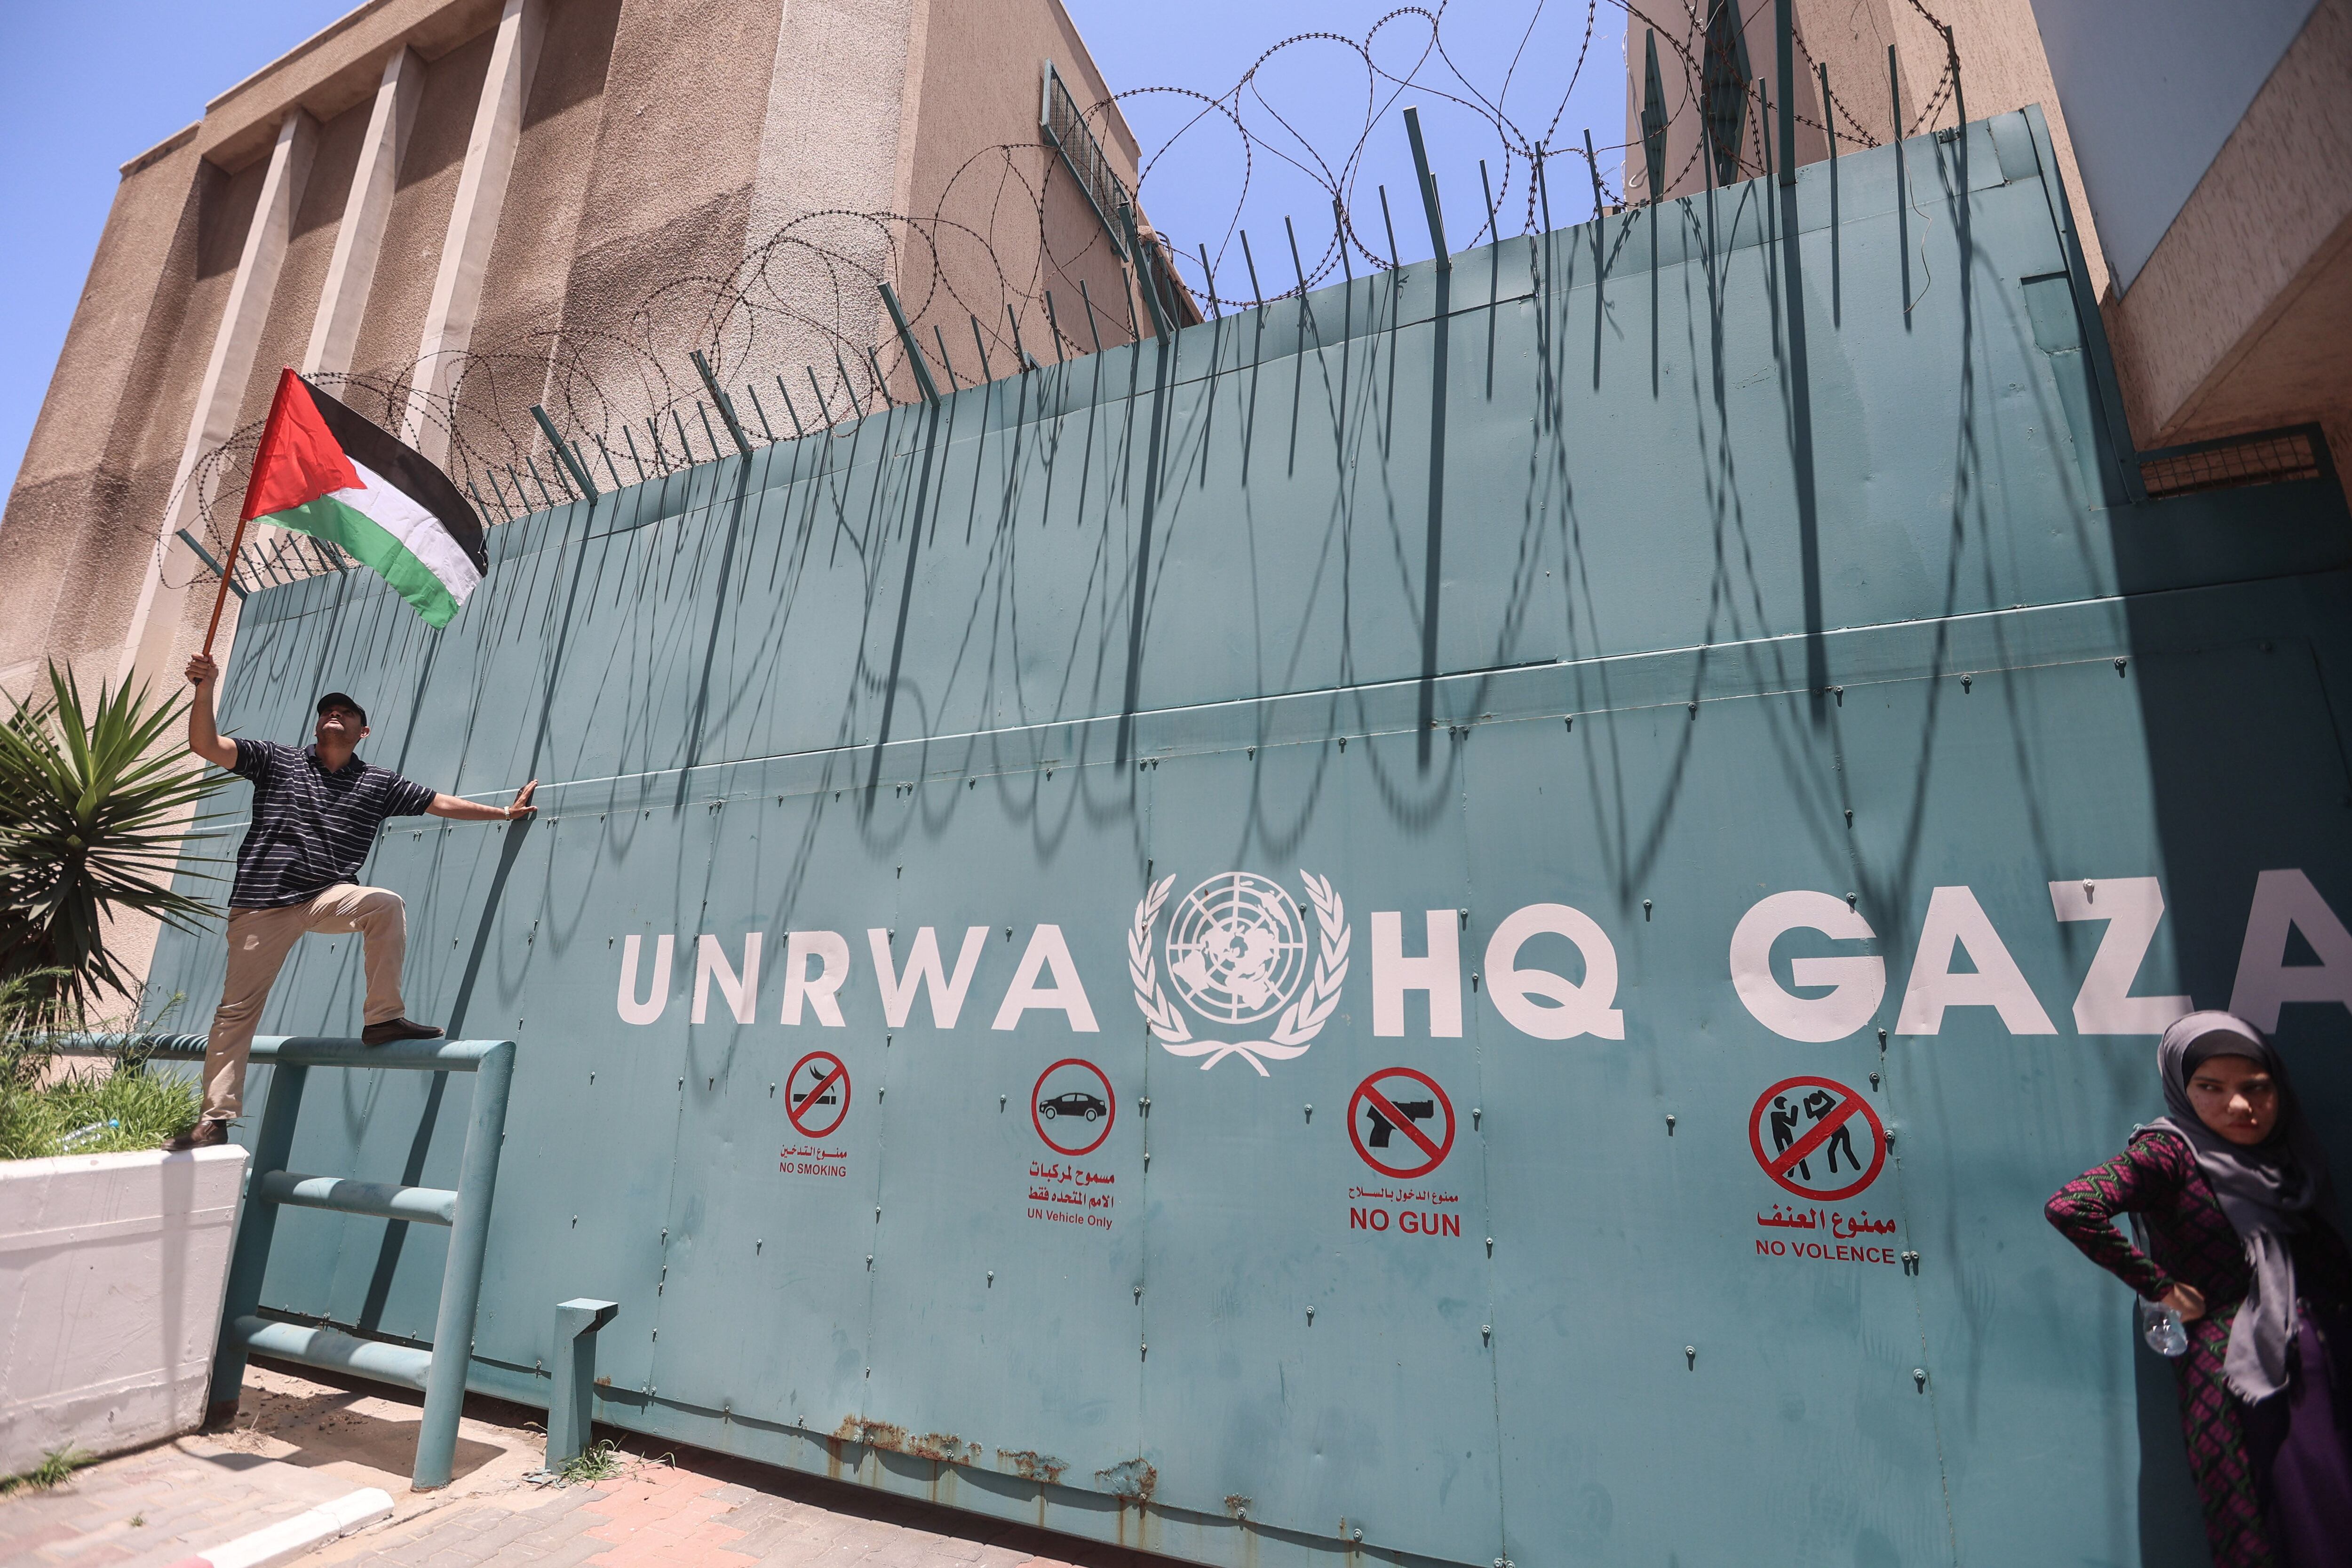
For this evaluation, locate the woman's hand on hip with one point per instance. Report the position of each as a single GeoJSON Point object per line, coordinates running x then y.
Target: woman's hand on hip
{"type": "Point", "coordinates": [2185, 1300]}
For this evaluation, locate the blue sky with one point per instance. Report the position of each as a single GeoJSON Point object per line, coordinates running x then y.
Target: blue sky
{"type": "Point", "coordinates": [65, 142]}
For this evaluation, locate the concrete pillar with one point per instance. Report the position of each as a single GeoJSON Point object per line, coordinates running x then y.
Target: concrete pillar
{"type": "Point", "coordinates": [473, 224]}
{"type": "Point", "coordinates": [155, 620]}
{"type": "Point", "coordinates": [351, 269]}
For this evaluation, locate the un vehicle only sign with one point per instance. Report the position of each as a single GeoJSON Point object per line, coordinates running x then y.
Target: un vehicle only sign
{"type": "Point", "coordinates": [1817, 1138]}
{"type": "Point", "coordinates": [1072, 1107]}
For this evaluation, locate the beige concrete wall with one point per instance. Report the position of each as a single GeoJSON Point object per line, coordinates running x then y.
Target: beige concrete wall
{"type": "Point", "coordinates": [67, 516]}
{"type": "Point", "coordinates": [294, 303]}
{"type": "Point", "coordinates": [423, 197]}
{"type": "Point", "coordinates": [830, 174]}
{"type": "Point", "coordinates": [98, 471]}
{"type": "Point", "coordinates": [662, 141]}
{"type": "Point", "coordinates": [524, 293]}
{"type": "Point", "coordinates": [978, 134]}
{"type": "Point", "coordinates": [2241, 317]}
{"type": "Point", "coordinates": [669, 175]}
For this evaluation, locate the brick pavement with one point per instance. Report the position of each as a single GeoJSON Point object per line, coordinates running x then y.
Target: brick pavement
{"type": "Point", "coordinates": [298, 1442]}
{"type": "Point", "coordinates": [701, 1511]}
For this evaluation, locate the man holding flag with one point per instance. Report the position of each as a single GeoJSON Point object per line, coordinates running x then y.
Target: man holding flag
{"type": "Point", "coordinates": [323, 470]}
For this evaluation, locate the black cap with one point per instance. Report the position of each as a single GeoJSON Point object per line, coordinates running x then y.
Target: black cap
{"type": "Point", "coordinates": [341, 700]}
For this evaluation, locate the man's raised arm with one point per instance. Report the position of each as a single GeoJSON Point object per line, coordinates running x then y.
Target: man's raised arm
{"type": "Point", "coordinates": [459, 810]}
{"type": "Point", "coordinates": [204, 739]}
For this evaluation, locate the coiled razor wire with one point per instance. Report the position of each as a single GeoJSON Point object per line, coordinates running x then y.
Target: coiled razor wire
{"type": "Point", "coordinates": [796, 336]}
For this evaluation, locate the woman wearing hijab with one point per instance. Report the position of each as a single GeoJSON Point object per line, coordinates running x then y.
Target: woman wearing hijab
{"type": "Point", "coordinates": [2232, 1193]}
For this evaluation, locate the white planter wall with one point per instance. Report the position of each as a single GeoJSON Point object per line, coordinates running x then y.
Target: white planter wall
{"type": "Point", "coordinates": [112, 1268]}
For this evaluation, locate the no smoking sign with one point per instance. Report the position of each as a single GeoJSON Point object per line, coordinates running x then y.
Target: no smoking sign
{"type": "Point", "coordinates": [816, 1094]}
{"type": "Point", "coordinates": [1817, 1138]}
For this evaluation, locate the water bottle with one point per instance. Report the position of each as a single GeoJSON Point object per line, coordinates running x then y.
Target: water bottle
{"type": "Point", "coordinates": [2161, 1327]}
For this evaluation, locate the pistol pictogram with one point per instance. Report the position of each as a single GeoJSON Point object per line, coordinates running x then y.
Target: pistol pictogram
{"type": "Point", "coordinates": [1412, 1109]}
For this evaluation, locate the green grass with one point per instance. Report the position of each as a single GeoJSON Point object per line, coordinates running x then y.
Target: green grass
{"type": "Point", "coordinates": [599, 1461]}
{"type": "Point", "coordinates": [55, 1467]}
{"type": "Point", "coordinates": [148, 1107]}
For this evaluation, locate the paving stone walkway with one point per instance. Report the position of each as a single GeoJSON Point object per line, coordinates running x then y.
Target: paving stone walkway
{"type": "Point", "coordinates": [298, 1442]}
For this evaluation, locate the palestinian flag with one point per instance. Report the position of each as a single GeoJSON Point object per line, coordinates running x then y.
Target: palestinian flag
{"type": "Point", "coordinates": [323, 470]}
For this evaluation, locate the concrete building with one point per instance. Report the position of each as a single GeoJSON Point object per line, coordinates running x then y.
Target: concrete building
{"type": "Point", "coordinates": [2207, 152]}
{"type": "Point", "coordinates": [459, 208]}
{"type": "Point", "coordinates": [2216, 151]}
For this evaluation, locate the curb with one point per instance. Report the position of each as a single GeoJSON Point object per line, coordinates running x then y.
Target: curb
{"type": "Point", "coordinates": [288, 1539]}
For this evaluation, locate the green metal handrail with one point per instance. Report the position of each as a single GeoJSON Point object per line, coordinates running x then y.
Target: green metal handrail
{"type": "Point", "coordinates": [269, 1184]}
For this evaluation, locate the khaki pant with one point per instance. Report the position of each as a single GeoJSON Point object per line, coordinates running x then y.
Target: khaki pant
{"type": "Point", "coordinates": [258, 942]}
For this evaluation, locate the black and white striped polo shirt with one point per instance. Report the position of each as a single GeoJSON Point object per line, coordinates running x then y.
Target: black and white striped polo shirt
{"type": "Point", "coordinates": [310, 828]}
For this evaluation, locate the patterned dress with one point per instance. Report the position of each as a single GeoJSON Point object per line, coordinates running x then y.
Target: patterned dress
{"type": "Point", "coordinates": [2191, 1242]}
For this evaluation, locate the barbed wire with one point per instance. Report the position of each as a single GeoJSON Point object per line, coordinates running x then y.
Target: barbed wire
{"type": "Point", "coordinates": [795, 336]}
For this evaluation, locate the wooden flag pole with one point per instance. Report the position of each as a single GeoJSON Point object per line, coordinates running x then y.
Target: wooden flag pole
{"type": "Point", "coordinates": [237, 541]}
{"type": "Point", "coordinates": [285, 378]}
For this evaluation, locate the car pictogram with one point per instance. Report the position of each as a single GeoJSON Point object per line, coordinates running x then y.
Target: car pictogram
{"type": "Point", "coordinates": [1073, 1104]}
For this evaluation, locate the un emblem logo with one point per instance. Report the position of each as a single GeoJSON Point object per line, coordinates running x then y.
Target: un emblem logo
{"type": "Point", "coordinates": [1236, 949]}
{"type": "Point", "coordinates": [1239, 951]}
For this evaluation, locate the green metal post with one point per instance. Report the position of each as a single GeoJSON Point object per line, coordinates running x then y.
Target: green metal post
{"type": "Point", "coordinates": [842, 368]}
{"type": "Point", "coordinates": [1144, 277]}
{"type": "Point", "coordinates": [546, 496]}
{"type": "Point", "coordinates": [1428, 189]}
{"type": "Point", "coordinates": [461, 1279]}
{"type": "Point", "coordinates": [1960, 96]}
{"type": "Point", "coordinates": [930, 389]}
{"type": "Point", "coordinates": [987, 371]}
{"type": "Point", "coordinates": [562, 454]}
{"type": "Point", "coordinates": [941, 337]}
{"type": "Point", "coordinates": [726, 403]}
{"type": "Point", "coordinates": [256, 1226]}
{"type": "Point", "coordinates": [570, 1401]}
{"type": "Point", "coordinates": [214, 566]}
{"type": "Point", "coordinates": [759, 408]}
{"type": "Point", "coordinates": [1784, 37]}
{"type": "Point", "coordinates": [1028, 360]}
{"type": "Point", "coordinates": [1894, 99]}
{"type": "Point", "coordinates": [1053, 322]}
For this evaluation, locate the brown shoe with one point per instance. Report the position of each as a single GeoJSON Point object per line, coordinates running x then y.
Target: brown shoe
{"type": "Point", "coordinates": [392, 1029]}
{"type": "Point", "coordinates": [209, 1133]}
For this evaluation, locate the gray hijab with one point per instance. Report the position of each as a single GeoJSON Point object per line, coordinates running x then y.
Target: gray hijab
{"type": "Point", "coordinates": [2269, 1191]}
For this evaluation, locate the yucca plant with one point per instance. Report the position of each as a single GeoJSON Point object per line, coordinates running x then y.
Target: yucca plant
{"type": "Point", "coordinates": [95, 810]}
